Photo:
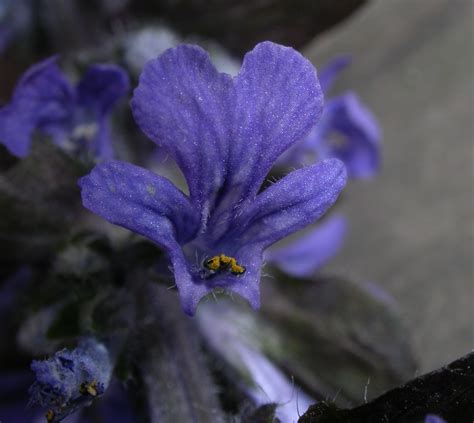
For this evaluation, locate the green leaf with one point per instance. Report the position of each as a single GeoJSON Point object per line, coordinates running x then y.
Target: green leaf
{"type": "Point", "coordinates": [337, 338]}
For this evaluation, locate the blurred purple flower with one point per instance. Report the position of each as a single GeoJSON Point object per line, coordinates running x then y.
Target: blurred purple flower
{"type": "Point", "coordinates": [312, 250]}
{"type": "Point", "coordinates": [70, 380]}
{"type": "Point", "coordinates": [76, 117]}
{"type": "Point", "coordinates": [347, 130]}
{"type": "Point", "coordinates": [227, 334]}
{"type": "Point", "coordinates": [225, 134]}
{"type": "Point", "coordinates": [15, 20]}
{"type": "Point", "coordinates": [431, 418]}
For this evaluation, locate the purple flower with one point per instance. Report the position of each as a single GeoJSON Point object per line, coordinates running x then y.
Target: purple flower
{"type": "Point", "coordinates": [311, 251]}
{"type": "Point", "coordinates": [347, 130]}
{"type": "Point", "coordinates": [74, 116]}
{"type": "Point", "coordinates": [225, 134]}
{"type": "Point", "coordinates": [71, 379]}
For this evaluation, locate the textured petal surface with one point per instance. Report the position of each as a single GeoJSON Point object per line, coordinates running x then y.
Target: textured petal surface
{"type": "Point", "coordinates": [349, 132]}
{"type": "Point", "coordinates": [279, 100]}
{"type": "Point", "coordinates": [226, 134]}
{"type": "Point", "coordinates": [331, 71]}
{"type": "Point", "coordinates": [292, 203]}
{"type": "Point", "coordinates": [185, 105]}
{"type": "Point", "coordinates": [150, 205]}
{"type": "Point", "coordinates": [139, 200]}
{"type": "Point", "coordinates": [307, 254]}
{"type": "Point", "coordinates": [43, 98]}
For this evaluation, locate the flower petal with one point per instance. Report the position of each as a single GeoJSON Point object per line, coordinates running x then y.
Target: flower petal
{"type": "Point", "coordinates": [102, 86]}
{"type": "Point", "coordinates": [98, 91]}
{"type": "Point", "coordinates": [311, 251]}
{"type": "Point", "coordinates": [185, 105]}
{"type": "Point", "coordinates": [331, 71]}
{"type": "Point", "coordinates": [278, 101]}
{"type": "Point", "coordinates": [359, 148]}
{"type": "Point", "coordinates": [139, 200]}
{"type": "Point", "coordinates": [285, 207]}
{"type": "Point", "coordinates": [292, 203]}
{"type": "Point", "coordinates": [43, 99]}
{"type": "Point", "coordinates": [248, 285]}
{"type": "Point", "coordinates": [149, 205]}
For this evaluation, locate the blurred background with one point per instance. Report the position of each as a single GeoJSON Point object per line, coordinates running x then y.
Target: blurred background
{"type": "Point", "coordinates": [411, 226]}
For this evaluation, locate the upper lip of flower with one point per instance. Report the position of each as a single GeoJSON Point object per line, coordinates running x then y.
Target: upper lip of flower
{"type": "Point", "coordinates": [225, 134]}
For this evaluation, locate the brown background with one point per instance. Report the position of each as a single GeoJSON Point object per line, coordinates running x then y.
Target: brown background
{"type": "Point", "coordinates": [411, 228]}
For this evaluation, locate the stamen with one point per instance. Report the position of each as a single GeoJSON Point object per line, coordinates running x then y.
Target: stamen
{"type": "Point", "coordinates": [49, 416]}
{"type": "Point", "coordinates": [212, 263]}
{"type": "Point", "coordinates": [90, 388]}
{"type": "Point", "coordinates": [223, 263]}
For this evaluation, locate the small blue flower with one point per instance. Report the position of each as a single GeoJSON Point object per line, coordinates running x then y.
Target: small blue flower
{"type": "Point", "coordinates": [347, 130]}
{"type": "Point", "coordinates": [225, 134]}
{"type": "Point", "coordinates": [75, 117]}
{"type": "Point", "coordinates": [71, 379]}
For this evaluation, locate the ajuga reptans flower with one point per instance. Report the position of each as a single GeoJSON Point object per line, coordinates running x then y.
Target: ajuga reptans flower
{"type": "Point", "coordinates": [225, 134]}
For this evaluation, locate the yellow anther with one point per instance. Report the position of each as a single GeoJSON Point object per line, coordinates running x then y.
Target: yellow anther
{"type": "Point", "coordinates": [213, 263]}
{"type": "Point", "coordinates": [49, 416]}
{"type": "Point", "coordinates": [225, 259]}
{"type": "Point", "coordinates": [89, 388]}
{"type": "Point", "coordinates": [224, 263]}
{"type": "Point", "coordinates": [237, 269]}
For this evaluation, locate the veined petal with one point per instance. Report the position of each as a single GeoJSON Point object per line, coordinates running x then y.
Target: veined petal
{"type": "Point", "coordinates": [285, 207]}
{"type": "Point", "coordinates": [292, 203]}
{"type": "Point", "coordinates": [278, 101]}
{"type": "Point", "coordinates": [150, 205]}
{"type": "Point", "coordinates": [185, 105]}
{"type": "Point", "coordinates": [226, 134]}
{"type": "Point", "coordinates": [102, 86]}
{"type": "Point", "coordinates": [43, 98]}
{"type": "Point", "coordinates": [139, 200]}
{"type": "Point", "coordinates": [356, 132]}
{"type": "Point", "coordinates": [331, 71]}
{"type": "Point", "coordinates": [311, 251]}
